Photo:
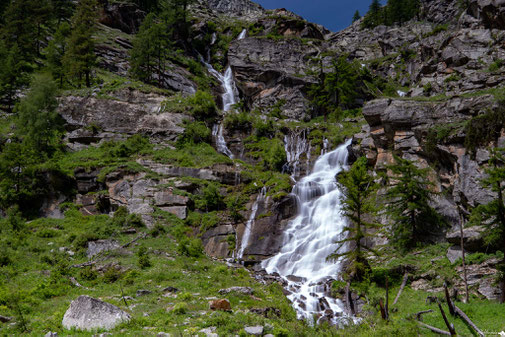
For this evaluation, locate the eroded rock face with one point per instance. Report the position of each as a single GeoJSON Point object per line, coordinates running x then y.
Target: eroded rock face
{"type": "Point", "coordinates": [267, 71]}
{"type": "Point", "coordinates": [87, 313]}
{"type": "Point", "coordinates": [126, 17]}
{"type": "Point", "coordinates": [235, 7]}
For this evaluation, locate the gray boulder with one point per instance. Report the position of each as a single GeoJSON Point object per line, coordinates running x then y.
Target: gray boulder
{"type": "Point", "coordinates": [87, 313]}
{"type": "Point", "coordinates": [98, 246]}
{"type": "Point", "coordinates": [472, 237]}
{"type": "Point", "coordinates": [254, 330]}
{"type": "Point", "coordinates": [240, 290]}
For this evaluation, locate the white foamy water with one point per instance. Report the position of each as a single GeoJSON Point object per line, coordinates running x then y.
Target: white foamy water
{"type": "Point", "coordinates": [228, 97]}
{"type": "Point", "coordinates": [295, 144]}
{"type": "Point", "coordinates": [310, 238]}
{"type": "Point", "coordinates": [217, 134]}
{"type": "Point", "coordinates": [250, 222]}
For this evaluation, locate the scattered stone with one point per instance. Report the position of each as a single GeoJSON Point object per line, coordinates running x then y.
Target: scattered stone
{"type": "Point", "coordinates": [454, 253]}
{"type": "Point", "coordinates": [51, 334]}
{"type": "Point", "coordinates": [143, 292]}
{"type": "Point", "coordinates": [87, 313]}
{"type": "Point", "coordinates": [98, 246]}
{"type": "Point", "coordinates": [254, 330]}
{"type": "Point", "coordinates": [222, 304]}
{"type": "Point", "coordinates": [5, 319]}
{"type": "Point", "coordinates": [297, 279]}
{"type": "Point", "coordinates": [209, 332]}
{"type": "Point", "coordinates": [163, 334]}
{"type": "Point", "coordinates": [472, 237]}
{"type": "Point", "coordinates": [240, 290]}
{"type": "Point", "coordinates": [170, 290]}
{"type": "Point", "coordinates": [266, 312]}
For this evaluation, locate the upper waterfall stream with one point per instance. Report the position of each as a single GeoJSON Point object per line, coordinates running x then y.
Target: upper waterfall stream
{"type": "Point", "coordinates": [310, 238]}
{"type": "Point", "coordinates": [228, 98]}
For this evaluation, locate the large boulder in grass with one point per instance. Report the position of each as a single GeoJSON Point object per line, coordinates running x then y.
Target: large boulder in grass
{"type": "Point", "coordinates": [87, 313]}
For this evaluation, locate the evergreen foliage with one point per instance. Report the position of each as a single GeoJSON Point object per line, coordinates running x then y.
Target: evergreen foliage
{"type": "Point", "coordinates": [395, 12]}
{"type": "Point", "coordinates": [12, 75]}
{"type": "Point", "coordinates": [336, 87]}
{"type": "Point", "coordinates": [356, 16]}
{"type": "Point", "coordinates": [358, 204]}
{"type": "Point", "coordinates": [148, 55]}
{"type": "Point", "coordinates": [20, 28]}
{"type": "Point", "coordinates": [410, 195]}
{"type": "Point", "coordinates": [492, 214]}
{"type": "Point", "coordinates": [55, 52]}
{"type": "Point", "coordinates": [80, 58]}
{"type": "Point", "coordinates": [38, 121]}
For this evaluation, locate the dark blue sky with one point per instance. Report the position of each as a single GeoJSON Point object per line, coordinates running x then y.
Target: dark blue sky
{"type": "Point", "coordinates": [333, 14]}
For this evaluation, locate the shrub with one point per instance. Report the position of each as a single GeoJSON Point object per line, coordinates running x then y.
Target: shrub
{"type": "Point", "coordinates": [180, 308]}
{"type": "Point", "coordinates": [143, 258]}
{"type": "Point", "coordinates": [190, 247]}
{"type": "Point", "coordinates": [241, 121]}
{"type": "Point", "coordinates": [194, 133]}
{"type": "Point", "coordinates": [88, 274]}
{"type": "Point", "coordinates": [211, 198]}
{"type": "Point", "coordinates": [276, 157]}
{"type": "Point", "coordinates": [203, 107]}
{"type": "Point", "coordinates": [157, 230]}
{"type": "Point", "coordinates": [111, 275]}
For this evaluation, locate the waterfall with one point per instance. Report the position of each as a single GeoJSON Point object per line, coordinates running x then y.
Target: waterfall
{"type": "Point", "coordinates": [228, 97]}
{"type": "Point", "coordinates": [310, 238]}
{"type": "Point", "coordinates": [250, 222]}
{"type": "Point", "coordinates": [217, 134]}
{"type": "Point", "coordinates": [295, 144]}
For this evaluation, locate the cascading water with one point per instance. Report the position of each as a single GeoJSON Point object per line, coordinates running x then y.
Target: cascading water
{"type": "Point", "coordinates": [250, 222]}
{"type": "Point", "coordinates": [310, 238]}
{"type": "Point", "coordinates": [217, 133]}
{"type": "Point", "coordinates": [228, 97]}
{"type": "Point", "coordinates": [295, 144]}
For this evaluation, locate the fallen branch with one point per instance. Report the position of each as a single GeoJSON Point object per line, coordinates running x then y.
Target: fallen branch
{"type": "Point", "coordinates": [141, 236]}
{"type": "Point", "coordinates": [467, 320]}
{"type": "Point", "coordinates": [436, 330]}
{"type": "Point", "coordinates": [450, 326]}
{"type": "Point", "coordinates": [420, 313]}
{"type": "Point", "coordinates": [404, 283]}
{"type": "Point", "coordinates": [449, 300]}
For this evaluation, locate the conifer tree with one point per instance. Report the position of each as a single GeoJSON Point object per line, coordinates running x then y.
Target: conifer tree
{"type": "Point", "coordinates": [20, 28]}
{"type": "Point", "coordinates": [56, 50]}
{"type": "Point", "coordinates": [12, 76]}
{"type": "Point", "coordinates": [38, 120]}
{"type": "Point", "coordinates": [80, 58]}
{"type": "Point", "coordinates": [356, 16]}
{"type": "Point", "coordinates": [492, 214]}
{"type": "Point", "coordinates": [341, 82]}
{"type": "Point", "coordinates": [358, 200]}
{"type": "Point", "coordinates": [62, 10]}
{"type": "Point", "coordinates": [374, 17]}
{"type": "Point", "coordinates": [409, 207]}
{"type": "Point", "coordinates": [148, 54]}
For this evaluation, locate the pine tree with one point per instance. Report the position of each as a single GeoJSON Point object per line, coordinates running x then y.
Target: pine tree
{"type": "Point", "coordinates": [62, 10]}
{"type": "Point", "coordinates": [80, 58]}
{"type": "Point", "coordinates": [12, 76]}
{"type": "Point", "coordinates": [356, 16]}
{"type": "Point", "coordinates": [38, 120]}
{"type": "Point", "coordinates": [492, 214]}
{"type": "Point", "coordinates": [341, 82]}
{"type": "Point", "coordinates": [55, 52]}
{"type": "Point", "coordinates": [358, 200]}
{"type": "Point", "coordinates": [148, 54]}
{"type": "Point", "coordinates": [409, 207]}
{"type": "Point", "coordinates": [175, 15]}
{"type": "Point", "coordinates": [20, 28]}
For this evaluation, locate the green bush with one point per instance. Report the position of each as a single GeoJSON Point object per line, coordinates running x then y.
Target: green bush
{"type": "Point", "coordinates": [190, 247]}
{"type": "Point", "coordinates": [88, 274]}
{"type": "Point", "coordinates": [180, 308]}
{"type": "Point", "coordinates": [143, 260]}
{"type": "Point", "coordinates": [194, 133]}
{"type": "Point", "coordinates": [202, 105]}
{"type": "Point", "coordinates": [495, 65]}
{"type": "Point", "coordinates": [111, 275]}
{"type": "Point", "coordinates": [241, 121]}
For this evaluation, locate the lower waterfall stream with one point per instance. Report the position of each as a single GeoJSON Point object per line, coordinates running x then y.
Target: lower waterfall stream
{"type": "Point", "coordinates": [310, 238]}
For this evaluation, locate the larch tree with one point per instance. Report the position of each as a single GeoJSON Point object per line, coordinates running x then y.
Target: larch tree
{"type": "Point", "coordinates": [409, 203]}
{"type": "Point", "coordinates": [56, 50]}
{"type": "Point", "coordinates": [356, 16]}
{"type": "Point", "coordinates": [359, 204]}
{"type": "Point", "coordinates": [80, 58]}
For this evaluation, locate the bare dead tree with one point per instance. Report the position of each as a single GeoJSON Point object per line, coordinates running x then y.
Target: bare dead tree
{"type": "Point", "coordinates": [404, 283]}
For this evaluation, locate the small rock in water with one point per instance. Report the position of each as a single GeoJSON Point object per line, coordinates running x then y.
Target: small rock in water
{"type": "Point", "coordinates": [294, 278]}
{"type": "Point", "coordinates": [222, 304]}
{"type": "Point", "coordinates": [254, 330]}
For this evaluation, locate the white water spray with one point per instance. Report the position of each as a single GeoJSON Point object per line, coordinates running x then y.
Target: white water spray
{"type": "Point", "coordinates": [217, 134]}
{"type": "Point", "coordinates": [310, 238]}
{"type": "Point", "coordinates": [250, 222]}
{"type": "Point", "coordinates": [295, 144]}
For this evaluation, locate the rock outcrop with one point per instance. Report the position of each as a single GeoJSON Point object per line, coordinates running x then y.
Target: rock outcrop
{"type": "Point", "coordinates": [87, 313]}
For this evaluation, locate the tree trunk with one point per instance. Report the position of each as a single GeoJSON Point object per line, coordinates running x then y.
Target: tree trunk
{"type": "Point", "coordinates": [463, 256]}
